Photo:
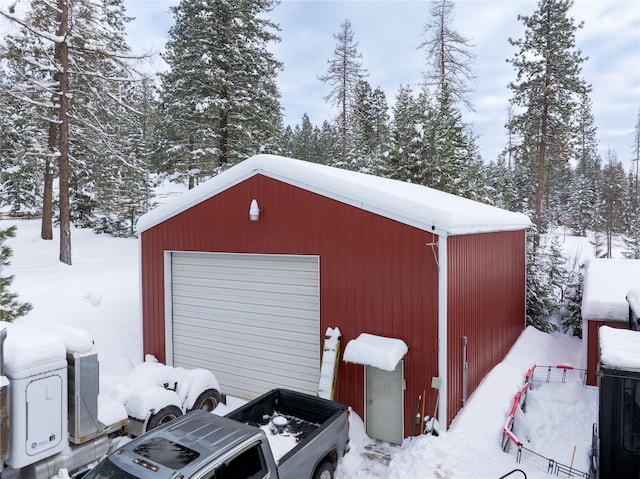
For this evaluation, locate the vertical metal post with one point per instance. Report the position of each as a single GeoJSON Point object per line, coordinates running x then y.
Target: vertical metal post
{"type": "Point", "coordinates": [465, 368]}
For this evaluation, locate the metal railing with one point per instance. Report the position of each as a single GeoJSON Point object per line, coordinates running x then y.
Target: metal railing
{"type": "Point", "coordinates": [560, 373]}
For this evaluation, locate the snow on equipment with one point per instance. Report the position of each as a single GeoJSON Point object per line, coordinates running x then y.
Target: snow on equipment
{"type": "Point", "coordinates": [52, 415]}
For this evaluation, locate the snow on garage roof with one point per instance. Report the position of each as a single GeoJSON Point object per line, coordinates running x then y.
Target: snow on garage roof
{"type": "Point", "coordinates": [415, 205]}
{"type": "Point", "coordinates": [377, 351]}
{"type": "Point", "coordinates": [619, 348]}
{"type": "Point", "coordinates": [606, 285]}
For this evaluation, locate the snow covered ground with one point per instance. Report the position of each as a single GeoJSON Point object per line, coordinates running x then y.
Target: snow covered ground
{"type": "Point", "coordinates": [100, 293]}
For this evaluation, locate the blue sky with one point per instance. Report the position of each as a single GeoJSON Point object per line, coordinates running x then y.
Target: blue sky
{"type": "Point", "coordinates": [389, 32]}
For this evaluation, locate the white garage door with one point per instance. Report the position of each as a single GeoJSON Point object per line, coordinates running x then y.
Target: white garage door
{"type": "Point", "coordinates": [254, 320]}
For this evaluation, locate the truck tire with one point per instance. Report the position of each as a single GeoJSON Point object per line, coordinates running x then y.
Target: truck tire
{"type": "Point", "coordinates": [163, 416]}
{"type": "Point", "coordinates": [208, 400]}
{"type": "Point", "coordinates": [324, 471]}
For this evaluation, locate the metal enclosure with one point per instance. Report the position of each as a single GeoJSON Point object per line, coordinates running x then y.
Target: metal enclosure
{"type": "Point", "coordinates": [83, 388]}
{"type": "Point", "coordinates": [42, 401]}
{"type": "Point", "coordinates": [619, 423]}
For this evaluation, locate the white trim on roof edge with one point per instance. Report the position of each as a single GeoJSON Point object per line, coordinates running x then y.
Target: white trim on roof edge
{"type": "Point", "coordinates": [415, 205]}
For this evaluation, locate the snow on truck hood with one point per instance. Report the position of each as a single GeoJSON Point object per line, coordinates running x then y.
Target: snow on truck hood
{"type": "Point", "coordinates": [415, 205]}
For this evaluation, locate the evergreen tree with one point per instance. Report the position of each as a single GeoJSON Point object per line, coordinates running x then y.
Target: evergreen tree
{"type": "Point", "coordinates": [547, 92]}
{"type": "Point", "coordinates": [571, 308]}
{"type": "Point", "coordinates": [81, 83]}
{"type": "Point", "coordinates": [10, 307]}
{"type": "Point", "coordinates": [540, 303]}
{"type": "Point", "coordinates": [613, 194]}
{"type": "Point", "coordinates": [631, 221]}
{"type": "Point", "coordinates": [343, 76]}
{"type": "Point", "coordinates": [635, 160]}
{"type": "Point", "coordinates": [585, 185]}
{"type": "Point", "coordinates": [370, 128]}
{"type": "Point", "coordinates": [220, 99]}
{"type": "Point", "coordinates": [448, 55]}
{"type": "Point", "coordinates": [21, 154]}
{"type": "Point", "coordinates": [411, 113]}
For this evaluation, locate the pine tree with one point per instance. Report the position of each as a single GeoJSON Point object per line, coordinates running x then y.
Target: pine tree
{"type": "Point", "coordinates": [635, 160]}
{"type": "Point", "coordinates": [585, 186]}
{"type": "Point", "coordinates": [448, 55]}
{"type": "Point", "coordinates": [547, 93]}
{"type": "Point", "coordinates": [540, 303]}
{"type": "Point", "coordinates": [81, 84]}
{"type": "Point", "coordinates": [220, 99]}
{"type": "Point", "coordinates": [571, 308]}
{"type": "Point", "coordinates": [613, 192]}
{"type": "Point", "coordinates": [631, 221]}
{"type": "Point", "coordinates": [453, 158]}
{"type": "Point", "coordinates": [343, 76]}
{"type": "Point", "coordinates": [10, 307]}
{"type": "Point", "coordinates": [370, 129]}
{"type": "Point", "coordinates": [21, 155]}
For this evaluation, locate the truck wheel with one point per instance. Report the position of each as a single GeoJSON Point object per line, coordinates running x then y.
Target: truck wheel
{"type": "Point", "coordinates": [324, 471]}
{"type": "Point", "coordinates": [163, 416]}
{"type": "Point", "coordinates": [208, 400]}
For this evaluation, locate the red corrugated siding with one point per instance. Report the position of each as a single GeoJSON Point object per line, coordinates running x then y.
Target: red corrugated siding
{"type": "Point", "coordinates": [593, 347]}
{"type": "Point", "coordinates": [376, 275]}
{"type": "Point", "coordinates": [486, 303]}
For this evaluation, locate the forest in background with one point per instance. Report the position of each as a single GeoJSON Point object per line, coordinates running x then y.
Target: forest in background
{"type": "Point", "coordinates": [84, 135]}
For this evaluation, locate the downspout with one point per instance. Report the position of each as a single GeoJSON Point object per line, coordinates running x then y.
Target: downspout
{"type": "Point", "coordinates": [442, 330]}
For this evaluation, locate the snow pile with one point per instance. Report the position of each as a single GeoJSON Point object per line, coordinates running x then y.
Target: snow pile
{"type": "Point", "coordinates": [550, 409]}
{"type": "Point", "coordinates": [620, 348]}
{"type": "Point", "coordinates": [75, 340]}
{"type": "Point", "coordinates": [28, 351]}
{"type": "Point", "coordinates": [150, 386]}
{"type": "Point", "coordinates": [377, 351]}
{"type": "Point", "coordinates": [606, 284]}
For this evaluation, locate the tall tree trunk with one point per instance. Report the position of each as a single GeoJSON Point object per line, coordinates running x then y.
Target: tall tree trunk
{"type": "Point", "coordinates": [65, 214]}
{"type": "Point", "coordinates": [46, 232]}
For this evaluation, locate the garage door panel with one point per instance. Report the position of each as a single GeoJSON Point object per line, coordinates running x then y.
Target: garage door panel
{"type": "Point", "coordinates": [241, 312]}
{"type": "Point", "coordinates": [253, 320]}
{"type": "Point", "coordinates": [242, 287]}
{"type": "Point", "coordinates": [266, 296]}
{"type": "Point", "coordinates": [228, 353]}
{"type": "Point", "coordinates": [206, 338]}
{"type": "Point", "coordinates": [242, 274]}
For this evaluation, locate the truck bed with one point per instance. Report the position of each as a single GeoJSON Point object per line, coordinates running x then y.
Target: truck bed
{"type": "Point", "coordinates": [306, 418]}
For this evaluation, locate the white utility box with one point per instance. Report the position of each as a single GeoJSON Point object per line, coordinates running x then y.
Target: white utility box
{"type": "Point", "coordinates": [36, 368]}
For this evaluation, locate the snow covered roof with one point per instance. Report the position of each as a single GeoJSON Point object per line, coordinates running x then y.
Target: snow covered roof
{"type": "Point", "coordinates": [606, 285]}
{"type": "Point", "coordinates": [377, 351]}
{"type": "Point", "coordinates": [620, 348]}
{"type": "Point", "coordinates": [415, 205]}
{"type": "Point", "coordinates": [633, 298]}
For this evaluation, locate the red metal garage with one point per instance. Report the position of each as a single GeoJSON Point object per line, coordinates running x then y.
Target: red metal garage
{"type": "Point", "coordinates": [331, 248]}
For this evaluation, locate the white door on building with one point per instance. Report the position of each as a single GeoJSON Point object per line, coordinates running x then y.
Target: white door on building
{"type": "Point", "coordinates": [384, 415]}
{"type": "Point", "coordinates": [253, 320]}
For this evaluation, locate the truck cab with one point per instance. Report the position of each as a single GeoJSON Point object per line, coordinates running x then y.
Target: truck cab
{"type": "Point", "coordinates": [198, 445]}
